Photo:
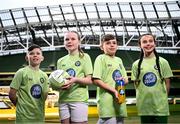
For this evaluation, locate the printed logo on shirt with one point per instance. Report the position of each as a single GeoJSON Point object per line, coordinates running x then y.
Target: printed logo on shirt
{"type": "Point", "coordinates": [36, 91]}
{"type": "Point", "coordinates": [71, 72]}
{"type": "Point", "coordinates": [120, 66]}
{"type": "Point", "coordinates": [109, 65]}
{"type": "Point", "coordinates": [63, 65]}
{"type": "Point", "coordinates": [77, 63]}
{"type": "Point", "coordinates": [42, 80]}
{"type": "Point", "coordinates": [149, 79]}
{"type": "Point", "coordinates": [116, 74]}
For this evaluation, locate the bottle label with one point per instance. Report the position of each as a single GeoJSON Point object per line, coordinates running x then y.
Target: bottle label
{"type": "Point", "coordinates": [119, 86]}
{"type": "Point", "coordinates": [121, 91]}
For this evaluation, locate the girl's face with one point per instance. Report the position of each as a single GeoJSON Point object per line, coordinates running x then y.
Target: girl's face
{"type": "Point", "coordinates": [147, 43]}
{"type": "Point", "coordinates": [35, 57]}
{"type": "Point", "coordinates": [110, 47]}
{"type": "Point", "coordinates": [71, 42]}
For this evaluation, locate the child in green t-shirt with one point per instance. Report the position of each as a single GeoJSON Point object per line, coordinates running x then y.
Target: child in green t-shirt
{"type": "Point", "coordinates": [29, 89]}
{"type": "Point", "coordinates": [107, 69]}
{"type": "Point", "coordinates": [151, 75]}
{"type": "Point", "coordinates": [73, 96]}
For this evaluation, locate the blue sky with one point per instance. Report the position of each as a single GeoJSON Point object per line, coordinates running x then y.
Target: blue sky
{"type": "Point", "coordinates": [9, 4]}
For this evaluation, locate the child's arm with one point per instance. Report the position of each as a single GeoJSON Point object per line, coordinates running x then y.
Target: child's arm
{"type": "Point", "coordinates": [12, 95]}
{"type": "Point", "coordinates": [45, 95]}
{"type": "Point", "coordinates": [85, 80]}
{"type": "Point", "coordinates": [126, 81]}
{"type": "Point", "coordinates": [103, 85]}
{"type": "Point", "coordinates": [167, 81]}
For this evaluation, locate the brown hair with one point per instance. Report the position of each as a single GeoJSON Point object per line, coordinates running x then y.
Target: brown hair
{"type": "Point", "coordinates": [107, 37]}
{"type": "Point", "coordinates": [33, 46]}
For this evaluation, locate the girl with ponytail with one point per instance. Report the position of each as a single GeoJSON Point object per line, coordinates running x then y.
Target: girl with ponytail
{"type": "Point", "coordinates": [151, 75]}
{"type": "Point", "coordinates": [73, 96]}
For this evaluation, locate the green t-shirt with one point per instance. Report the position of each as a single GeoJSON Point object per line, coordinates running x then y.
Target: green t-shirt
{"type": "Point", "coordinates": [76, 67]}
{"type": "Point", "coordinates": [151, 93]}
{"type": "Point", "coordinates": [31, 88]}
{"type": "Point", "coordinates": [106, 69]}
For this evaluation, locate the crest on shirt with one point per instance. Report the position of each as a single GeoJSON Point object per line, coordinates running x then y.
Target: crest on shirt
{"type": "Point", "coordinates": [30, 79]}
{"type": "Point", "coordinates": [77, 63]}
{"type": "Point", "coordinates": [149, 79]}
{"type": "Point", "coordinates": [155, 67]}
{"type": "Point", "coordinates": [42, 80]}
{"type": "Point", "coordinates": [116, 74]}
{"type": "Point", "coordinates": [36, 91]}
{"type": "Point", "coordinates": [71, 72]}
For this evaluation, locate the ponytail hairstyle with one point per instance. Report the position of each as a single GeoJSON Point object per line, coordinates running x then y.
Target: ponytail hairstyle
{"type": "Point", "coordinates": [157, 63]}
{"type": "Point", "coordinates": [81, 52]}
{"type": "Point", "coordinates": [142, 56]}
{"type": "Point", "coordinates": [139, 66]}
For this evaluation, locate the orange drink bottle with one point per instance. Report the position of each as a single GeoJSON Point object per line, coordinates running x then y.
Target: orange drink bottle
{"type": "Point", "coordinates": [121, 90]}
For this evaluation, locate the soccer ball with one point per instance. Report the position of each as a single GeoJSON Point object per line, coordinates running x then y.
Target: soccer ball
{"type": "Point", "coordinates": [58, 78]}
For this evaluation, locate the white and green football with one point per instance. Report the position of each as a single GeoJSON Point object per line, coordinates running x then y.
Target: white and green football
{"type": "Point", "coordinates": [58, 78]}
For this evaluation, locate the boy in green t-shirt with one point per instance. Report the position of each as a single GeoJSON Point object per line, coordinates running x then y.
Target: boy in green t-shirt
{"type": "Point", "coordinates": [29, 89]}
{"type": "Point", "coordinates": [151, 75]}
{"type": "Point", "coordinates": [107, 69]}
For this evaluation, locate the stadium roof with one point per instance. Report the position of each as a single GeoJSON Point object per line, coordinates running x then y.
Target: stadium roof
{"type": "Point", "coordinates": [45, 25]}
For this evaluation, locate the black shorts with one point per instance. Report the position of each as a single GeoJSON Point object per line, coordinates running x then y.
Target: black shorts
{"type": "Point", "coordinates": [154, 119]}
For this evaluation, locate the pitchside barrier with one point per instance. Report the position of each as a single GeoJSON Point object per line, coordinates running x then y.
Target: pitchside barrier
{"type": "Point", "coordinates": [174, 95]}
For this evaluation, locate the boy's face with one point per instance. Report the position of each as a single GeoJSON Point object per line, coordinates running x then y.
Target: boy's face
{"type": "Point", "coordinates": [110, 47]}
{"type": "Point", "coordinates": [34, 57]}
